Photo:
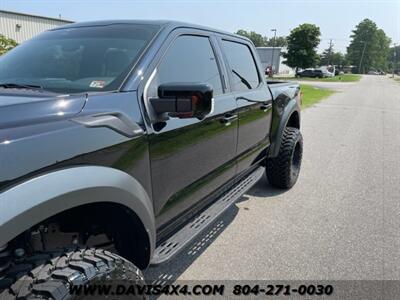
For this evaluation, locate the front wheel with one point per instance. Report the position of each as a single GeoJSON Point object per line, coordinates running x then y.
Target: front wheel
{"type": "Point", "coordinates": [283, 170]}
{"type": "Point", "coordinates": [59, 275]}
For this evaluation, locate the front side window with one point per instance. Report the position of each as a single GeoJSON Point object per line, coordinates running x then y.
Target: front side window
{"type": "Point", "coordinates": [190, 59]}
{"type": "Point", "coordinates": [243, 68]}
{"type": "Point", "coordinates": [81, 59]}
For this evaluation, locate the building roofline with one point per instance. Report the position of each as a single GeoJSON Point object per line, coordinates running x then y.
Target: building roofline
{"type": "Point", "coordinates": [36, 16]}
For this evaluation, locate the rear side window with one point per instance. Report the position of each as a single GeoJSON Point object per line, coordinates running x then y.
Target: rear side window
{"type": "Point", "coordinates": [243, 68]}
{"type": "Point", "coordinates": [190, 59]}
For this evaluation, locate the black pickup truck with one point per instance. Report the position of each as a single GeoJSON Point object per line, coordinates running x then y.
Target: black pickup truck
{"type": "Point", "coordinates": [120, 141]}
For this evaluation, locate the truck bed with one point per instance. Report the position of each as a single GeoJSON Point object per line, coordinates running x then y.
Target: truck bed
{"type": "Point", "coordinates": [277, 87]}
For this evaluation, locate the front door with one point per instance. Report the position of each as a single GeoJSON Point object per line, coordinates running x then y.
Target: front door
{"type": "Point", "coordinates": [191, 158]}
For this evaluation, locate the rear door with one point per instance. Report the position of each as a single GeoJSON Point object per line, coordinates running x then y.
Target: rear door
{"type": "Point", "coordinates": [253, 99]}
{"type": "Point", "coordinates": [190, 158]}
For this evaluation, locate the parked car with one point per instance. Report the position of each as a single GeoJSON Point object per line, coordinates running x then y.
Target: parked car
{"type": "Point", "coordinates": [327, 74]}
{"type": "Point", "coordinates": [269, 71]}
{"type": "Point", "coordinates": [311, 73]}
{"type": "Point", "coordinates": [372, 72]}
{"type": "Point", "coordinates": [122, 140]}
{"type": "Point", "coordinates": [305, 73]}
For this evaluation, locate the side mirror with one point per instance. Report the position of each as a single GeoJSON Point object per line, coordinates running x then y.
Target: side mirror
{"type": "Point", "coordinates": [183, 100]}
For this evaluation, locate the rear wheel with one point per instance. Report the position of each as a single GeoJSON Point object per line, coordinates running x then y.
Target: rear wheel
{"type": "Point", "coordinates": [283, 170]}
{"type": "Point", "coordinates": [54, 275]}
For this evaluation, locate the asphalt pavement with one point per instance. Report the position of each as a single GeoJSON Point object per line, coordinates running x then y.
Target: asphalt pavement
{"type": "Point", "coordinates": [342, 218]}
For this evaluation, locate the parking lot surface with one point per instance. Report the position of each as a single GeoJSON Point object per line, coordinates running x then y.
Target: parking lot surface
{"type": "Point", "coordinates": [342, 218]}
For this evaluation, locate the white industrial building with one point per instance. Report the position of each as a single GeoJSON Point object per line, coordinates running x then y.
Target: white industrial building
{"type": "Point", "coordinates": [21, 27]}
{"type": "Point", "coordinates": [267, 54]}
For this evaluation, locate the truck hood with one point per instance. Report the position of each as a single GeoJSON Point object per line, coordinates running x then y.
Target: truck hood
{"type": "Point", "coordinates": [22, 109]}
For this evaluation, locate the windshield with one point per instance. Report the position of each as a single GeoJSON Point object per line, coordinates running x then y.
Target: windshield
{"type": "Point", "coordinates": [80, 59]}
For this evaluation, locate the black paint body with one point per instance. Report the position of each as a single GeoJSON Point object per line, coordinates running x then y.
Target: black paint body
{"type": "Point", "coordinates": [183, 165]}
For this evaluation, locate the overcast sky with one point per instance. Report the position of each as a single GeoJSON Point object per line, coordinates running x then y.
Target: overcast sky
{"type": "Point", "coordinates": [336, 18]}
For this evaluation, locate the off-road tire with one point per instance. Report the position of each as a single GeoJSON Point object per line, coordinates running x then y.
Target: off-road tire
{"type": "Point", "coordinates": [283, 170]}
{"type": "Point", "coordinates": [50, 275]}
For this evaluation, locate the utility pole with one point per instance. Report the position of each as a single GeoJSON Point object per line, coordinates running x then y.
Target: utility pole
{"type": "Point", "coordinates": [273, 49]}
{"type": "Point", "coordinates": [394, 59]}
{"type": "Point", "coordinates": [362, 56]}
{"type": "Point", "coordinates": [330, 51]}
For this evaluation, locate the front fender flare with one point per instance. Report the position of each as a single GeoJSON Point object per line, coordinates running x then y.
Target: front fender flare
{"type": "Point", "coordinates": [39, 198]}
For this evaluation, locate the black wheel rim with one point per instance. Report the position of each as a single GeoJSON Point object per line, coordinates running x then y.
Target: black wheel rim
{"type": "Point", "coordinates": [296, 160]}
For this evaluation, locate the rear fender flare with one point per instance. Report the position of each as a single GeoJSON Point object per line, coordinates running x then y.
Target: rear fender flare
{"type": "Point", "coordinates": [278, 127]}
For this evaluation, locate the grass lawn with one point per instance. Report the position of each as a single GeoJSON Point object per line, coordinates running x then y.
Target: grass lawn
{"type": "Point", "coordinates": [312, 95]}
{"type": "Point", "coordinates": [339, 78]}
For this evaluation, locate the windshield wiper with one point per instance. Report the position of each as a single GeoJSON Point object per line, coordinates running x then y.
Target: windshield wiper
{"type": "Point", "coordinates": [20, 86]}
{"type": "Point", "coordinates": [242, 79]}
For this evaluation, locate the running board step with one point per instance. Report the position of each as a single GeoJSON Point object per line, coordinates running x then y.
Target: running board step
{"type": "Point", "coordinates": [184, 236]}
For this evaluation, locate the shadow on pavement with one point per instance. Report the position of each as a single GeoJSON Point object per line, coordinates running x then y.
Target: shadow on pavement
{"type": "Point", "coordinates": [171, 270]}
{"type": "Point", "coordinates": [168, 272]}
{"type": "Point", "coordinates": [263, 189]}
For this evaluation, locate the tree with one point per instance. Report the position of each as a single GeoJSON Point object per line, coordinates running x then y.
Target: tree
{"type": "Point", "coordinates": [334, 58]}
{"type": "Point", "coordinates": [280, 41]}
{"type": "Point", "coordinates": [302, 45]}
{"type": "Point", "coordinates": [394, 58]}
{"type": "Point", "coordinates": [369, 47]}
{"type": "Point", "coordinates": [257, 39]}
{"type": "Point", "coordinates": [262, 41]}
{"type": "Point", "coordinates": [6, 44]}
{"type": "Point", "coordinates": [382, 50]}
{"type": "Point", "coordinates": [330, 57]}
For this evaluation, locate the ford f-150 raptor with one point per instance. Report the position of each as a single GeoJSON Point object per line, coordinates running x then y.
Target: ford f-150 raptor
{"type": "Point", "coordinates": [120, 141]}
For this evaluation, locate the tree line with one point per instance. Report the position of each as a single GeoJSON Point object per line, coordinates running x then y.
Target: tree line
{"type": "Point", "coordinates": [369, 48]}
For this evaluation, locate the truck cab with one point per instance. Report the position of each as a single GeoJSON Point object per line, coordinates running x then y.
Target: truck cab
{"type": "Point", "coordinates": [140, 134]}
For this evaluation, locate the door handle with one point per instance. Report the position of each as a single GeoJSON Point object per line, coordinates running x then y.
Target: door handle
{"type": "Point", "coordinates": [227, 119]}
{"type": "Point", "coordinates": [265, 107]}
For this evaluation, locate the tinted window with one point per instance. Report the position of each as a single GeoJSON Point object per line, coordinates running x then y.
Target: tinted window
{"type": "Point", "coordinates": [190, 60]}
{"type": "Point", "coordinates": [243, 68]}
{"type": "Point", "coordinates": [77, 59]}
